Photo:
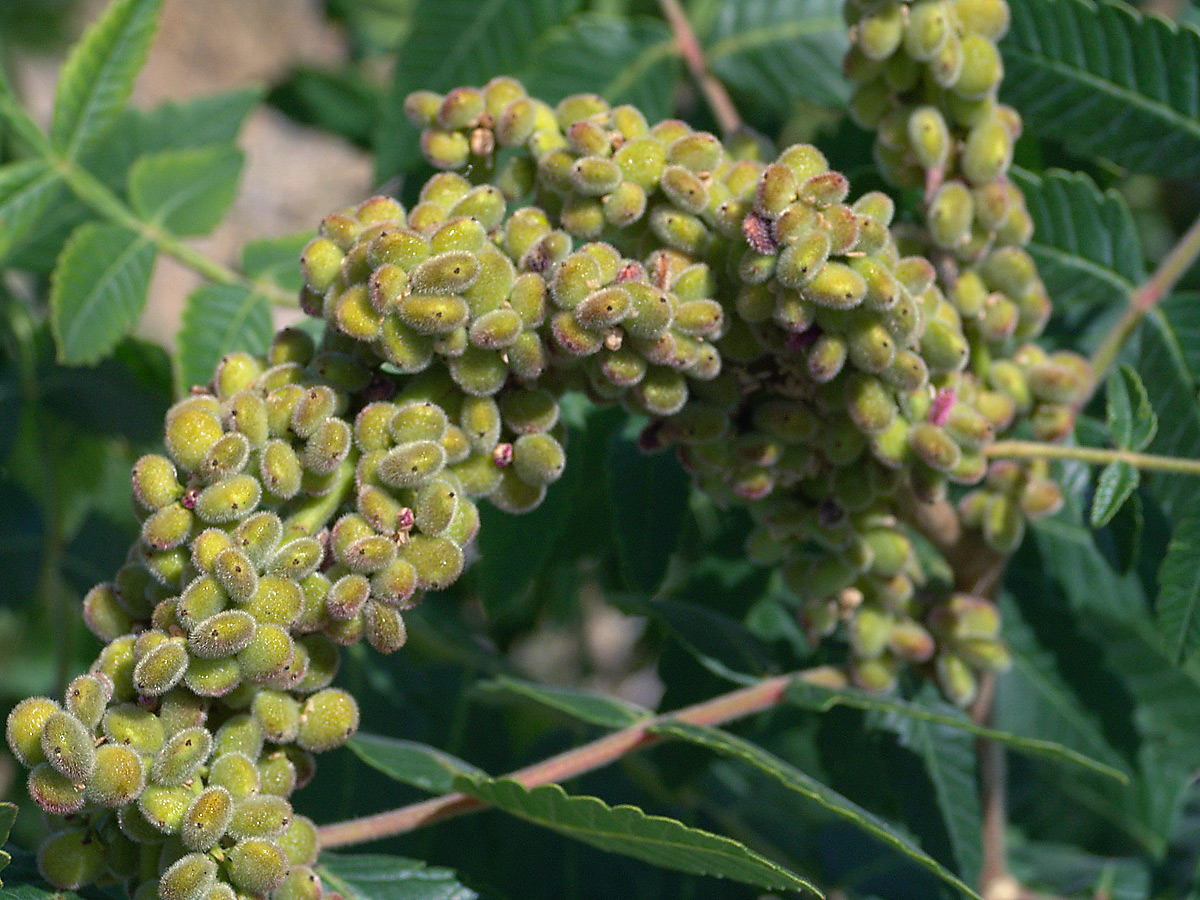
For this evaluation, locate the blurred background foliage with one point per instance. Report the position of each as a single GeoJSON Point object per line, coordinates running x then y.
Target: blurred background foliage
{"type": "Point", "coordinates": [623, 582]}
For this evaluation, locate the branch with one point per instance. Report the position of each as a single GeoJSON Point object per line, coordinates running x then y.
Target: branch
{"type": "Point", "coordinates": [1093, 455]}
{"type": "Point", "coordinates": [1170, 270]}
{"type": "Point", "coordinates": [993, 780]}
{"type": "Point", "coordinates": [599, 753]}
{"type": "Point", "coordinates": [693, 56]}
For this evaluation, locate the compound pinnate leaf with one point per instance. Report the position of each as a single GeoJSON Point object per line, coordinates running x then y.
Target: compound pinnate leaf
{"type": "Point", "coordinates": [1108, 82]}
{"type": "Point", "coordinates": [780, 52]}
{"type": "Point", "coordinates": [412, 763]}
{"type": "Point", "coordinates": [372, 877]}
{"type": "Point", "coordinates": [99, 290]}
{"type": "Point", "coordinates": [219, 319]}
{"type": "Point", "coordinates": [1178, 603]}
{"type": "Point", "coordinates": [1085, 242]}
{"type": "Point", "coordinates": [97, 78]}
{"type": "Point", "coordinates": [794, 780]}
{"type": "Point", "coordinates": [188, 191]}
{"type": "Point", "coordinates": [629, 831]}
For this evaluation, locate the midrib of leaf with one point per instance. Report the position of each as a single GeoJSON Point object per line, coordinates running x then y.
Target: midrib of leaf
{"type": "Point", "coordinates": [1127, 95]}
{"type": "Point", "coordinates": [93, 93]}
{"type": "Point", "coordinates": [1082, 262]}
{"type": "Point", "coordinates": [756, 38]}
{"type": "Point", "coordinates": [113, 271]}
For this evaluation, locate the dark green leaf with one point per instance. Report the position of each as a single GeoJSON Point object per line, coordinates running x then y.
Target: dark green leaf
{"type": "Point", "coordinates": [1178, 603]}
{"type": "Point", "coordinates": [649, 501]}
{"type": "Point", "coordinates": [793, 779]}
{"type": "Point", "coordinates": [27, 190]}
{"type": "Point", "coordinates": [219, 319]}
{"type": "Point", "coordinates": [823, 699]}
{"type": "Point", "coordinates": [1085, 242]}
{"type": "Point", "coordinates": [187, 191]}
{"type": "Point", "coordinates": [780, 52]}
{"type": "Point", "coordinates": [1108, 82]}
{"type": "Point", "coordinates": [413, 763]}
{"type": "Point", "coordinates": [1114, 486]}
{"type": "Point", "coordinates": [120, 396]}
{"type": "Point", "coordinates": [99, 290]}
{"type": "Point", "coordinates": [466, 42]}
{"type": "Point", "coordinates": [1063, 870]}
{"type": "Point", "coordinates": [372, 877]}
{"type": "Point", "coordinates": [460, 42]}
{"type": "Point", "coordinates": [1131, 418]}
{"type": "Point", "coordinates": [608, 712]}
{"type": "Point", "coordinates": [721, 644]}
{"type": "Point", "coordinates": [276, 259]}
{"type": "Point", "coordinates": [1113, 612]}
{"type": "Point", "coordinates": [343, 102]}
{"type": "Point", "coordinates": [1172, 387]}
{"type": "Point", "coordinates": [97, 79]}
{"type": "Point", "coordinates": [949, 758]}
{"type": "Point", "coordinates": [629, 831]}
{"type": "Point", "coordinates": [622, 60]}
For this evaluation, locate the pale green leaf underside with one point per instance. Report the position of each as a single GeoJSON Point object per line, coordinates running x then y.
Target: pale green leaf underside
{"type": "Point", "coordinates": [187, 191]}
{"type": "Point", "coordinates": [410, 762]}
{"type": "Point", "coordinates": [1084, 242]}
{"type": "Point", "coordinates": [97, 78]}
{"type": "Point", "coordinates": [780, 51]}
{"type": "Point", "coordinates": [795, 780]}
{"type": "Point", "coordinates": [1115, 485]}
{"type": "Point", "coordinates": [629, 831]}
{"type": "Point", "coordinates": [1131, 419]}
{"type": "Point", "coordinates": [374, 877]}
{"type": "Point", "coordinates": [99, 290]}
{"type": "Point", "coordinates": [1108, 82]}
{"type": "Point", "coordinates": [219, 319]}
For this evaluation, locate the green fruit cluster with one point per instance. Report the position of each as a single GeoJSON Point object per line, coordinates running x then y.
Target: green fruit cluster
{"type": "Point", "coordinates": [846, 382]}
{"type": "Point", "coordinates": [801, 360]}
{"type": "Point", "coordinates": [295, 510]}
{"type": "Point", "coordinates": [927, 74]}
